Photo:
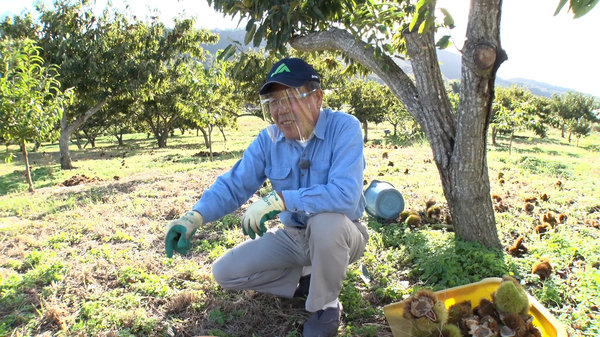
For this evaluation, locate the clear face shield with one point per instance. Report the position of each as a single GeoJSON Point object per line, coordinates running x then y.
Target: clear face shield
{"type": "Point", "coordinates": [292, 111]}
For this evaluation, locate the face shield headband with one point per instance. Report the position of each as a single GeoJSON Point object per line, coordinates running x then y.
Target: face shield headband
{"type": "Point", "coordinates": [291, 111]}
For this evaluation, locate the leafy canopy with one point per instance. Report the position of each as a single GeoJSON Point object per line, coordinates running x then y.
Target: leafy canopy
{"type": "Point", "coordinates": [31, 100]}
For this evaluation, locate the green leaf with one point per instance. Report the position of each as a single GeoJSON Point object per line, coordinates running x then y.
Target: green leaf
{"type": "Point", "coordinates": [561, 4]}
{"type": "Point", "coordinates": [249, 34]}
{"type": "Point", "coordinates": [259, 35]}
{"type": "Point", "coordinates": [583, 7]}
{"type": "Point", "coordinates": [413, 22]}
{"type": "Point", "coordinates": [448, 20]}
{"type": "Point", "coordinates": [250, 24]}
{"type": "Point", "coordinates": [319, 13]}
{"type": "Point", "coordinates": [444, 42]}
{"type": "Point", "coordinates": [389, 48]}
{"type": "Point", "coordinates": [227, 52]}
{"type": "Point", "coordinates": [421, 3]}
{"type": "Point", "coordinates": [426, 23]}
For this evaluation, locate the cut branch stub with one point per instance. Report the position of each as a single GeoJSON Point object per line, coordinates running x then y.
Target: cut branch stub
{"type": "Point", "coordinates": [484, 56]}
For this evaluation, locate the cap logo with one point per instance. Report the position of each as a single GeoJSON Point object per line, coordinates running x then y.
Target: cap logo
{"type": "Point", "coordinates": [281, 69]}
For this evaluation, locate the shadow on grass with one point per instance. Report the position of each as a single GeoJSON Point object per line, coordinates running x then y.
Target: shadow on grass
{"type": "Point", "coordinates": [400, 140]}
{"type": "Point", "coordinates": [45, 165]}
{"type": "Point", "coordinates": [64, 198]}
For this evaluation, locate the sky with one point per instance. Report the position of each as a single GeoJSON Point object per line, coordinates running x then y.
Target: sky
{"type": "Point", "coordinates": [557, 50]}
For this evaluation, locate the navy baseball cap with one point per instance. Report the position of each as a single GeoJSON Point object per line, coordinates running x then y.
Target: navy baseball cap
{"type": "Point", "coordinates": [291, 72]}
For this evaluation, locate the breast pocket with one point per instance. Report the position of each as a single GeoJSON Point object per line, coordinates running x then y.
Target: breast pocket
{"type": "Point", "coordinates": [281, 178]}
{"type": "Point", "coordinates": [318, 175]}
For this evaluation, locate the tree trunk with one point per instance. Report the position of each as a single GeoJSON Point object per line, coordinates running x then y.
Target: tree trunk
{"type": "Point", "coordinates": [205, 136]}
{"type": "Point", "coordinates": [210, 148]}
{"type": "Point", "coordinates": [222, 129]}
{"type": "Point", "coordinates": [27, 169]}
{"type": "Point", "coordinates": [458, 140]}
{"type": "Point", "coordinates": [36, 146]}
{"type": "Point", "coordinates": [494, 134]}
{"type": "Point", "coordinates": [162, 139]}
{"type": "Point", "coordinates": [365, 126]}
{"type": "Point", "coordinates": [78, 141]}
{"type": "Point", "coordinates": [67, 130]}
{"type": "Point", "coordinates": [119, 136]}
{"type": "Point", "coordinates": [161, 128]}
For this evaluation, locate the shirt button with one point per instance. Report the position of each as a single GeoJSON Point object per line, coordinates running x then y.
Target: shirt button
{"type": "Point", "coordinates": [302, 175]}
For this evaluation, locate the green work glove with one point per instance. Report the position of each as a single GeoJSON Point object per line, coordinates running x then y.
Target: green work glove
{"type": "Point", "coordinates": [265, 209]}
{"type": "Point", "coordinates": [180, 231]}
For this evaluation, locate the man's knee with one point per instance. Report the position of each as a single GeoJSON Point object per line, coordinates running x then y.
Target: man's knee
{"type": "Point", "coordinates": [328, 229]}
{"type": "Point", "coordinates": [328, 224]}
{"type": "Point", "coordinates": [222, 273]}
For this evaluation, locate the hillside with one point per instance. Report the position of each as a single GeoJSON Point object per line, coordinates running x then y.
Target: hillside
{"type": "Point", "coordinates": [450, 65]}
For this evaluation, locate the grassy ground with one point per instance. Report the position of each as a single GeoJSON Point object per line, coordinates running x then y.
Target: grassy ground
{"type": "Point", "coordinates": [88, 259]}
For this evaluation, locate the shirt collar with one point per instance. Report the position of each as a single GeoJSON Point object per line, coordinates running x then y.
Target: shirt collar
{"type": "Point", "coordinates": [321, 125]}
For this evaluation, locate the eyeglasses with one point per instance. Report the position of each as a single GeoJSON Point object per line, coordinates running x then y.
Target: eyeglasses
{"type": "Point", "coordinates": [285, 99]}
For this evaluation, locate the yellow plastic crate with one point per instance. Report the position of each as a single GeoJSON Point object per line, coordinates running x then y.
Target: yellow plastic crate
{"type": "Point", "coordinates": [542, 318]}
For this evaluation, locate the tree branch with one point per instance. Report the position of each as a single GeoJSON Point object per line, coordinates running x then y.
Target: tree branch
{"type": "Point", "coordinates": [440, 121]}
{"type": "Point", "coordinates": [396, 79]}
{"type": "Point", "coordinates": [83, 118]}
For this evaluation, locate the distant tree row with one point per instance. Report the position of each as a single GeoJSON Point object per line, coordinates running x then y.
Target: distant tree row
{"type": "Point", "coordinates": [125, 74]}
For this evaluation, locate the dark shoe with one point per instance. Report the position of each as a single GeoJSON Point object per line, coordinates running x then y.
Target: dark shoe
{"type": "Point", "coordinates": [303, 286]}
{"type": "Point", "coordinates": [323, 323]}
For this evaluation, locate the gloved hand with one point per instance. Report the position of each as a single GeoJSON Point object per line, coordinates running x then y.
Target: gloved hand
{"type": "Point", "coordinates": [265, 209]}
{"type": "Point", "coordinates": [180, 231]}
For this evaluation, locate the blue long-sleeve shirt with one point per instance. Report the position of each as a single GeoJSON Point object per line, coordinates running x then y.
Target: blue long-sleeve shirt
{"type": "Point", "coordinates": [332, 182]}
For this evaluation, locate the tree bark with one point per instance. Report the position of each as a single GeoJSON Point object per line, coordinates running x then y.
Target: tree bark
{"type": "Point", "coordinates": [27, 169]}
{"type": "Point", "coordinates": [119, 136]}
{"type": "Point", "coordinates": [205, 136]}
{"type": "Point", "coordinates": [67, 130]}
{"type": "Point", "coordinates": [78, 141]}
{"type": "Point", "coordinates": [210, 148]}
{"type": "Point", "coordinates": [458, 140]}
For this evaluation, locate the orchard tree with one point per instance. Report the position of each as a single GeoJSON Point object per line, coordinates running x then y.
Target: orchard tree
{"type": "Point", "coordinates": [31, 99]}
{"type": "Point", "coordinates": [212, 102]}
{"type": "Point", "coordinates": [576, 113]}
{"type": "Point", "coordinates": [159, 105]}
{"type": "Point", "coordinates": [397, 115]}
{"type": "Point", "coordinates": [371, 33]}
{"type": "Point", "coordinates": [102, 56]}
{"type": "Point", "coordinates": [97, 56]}
{"type": "Point", "coordinates": [361, 98]}
{"type": "Point", "coordinates": [169, 56]}
{"type": "Point", "coordinates": [544, 118]}
{"type": "Point", "coordinates": [513, 110]}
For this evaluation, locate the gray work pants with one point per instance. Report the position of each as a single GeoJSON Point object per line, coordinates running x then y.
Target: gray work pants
{"type": "Point", "coordinates": [273, 263]}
